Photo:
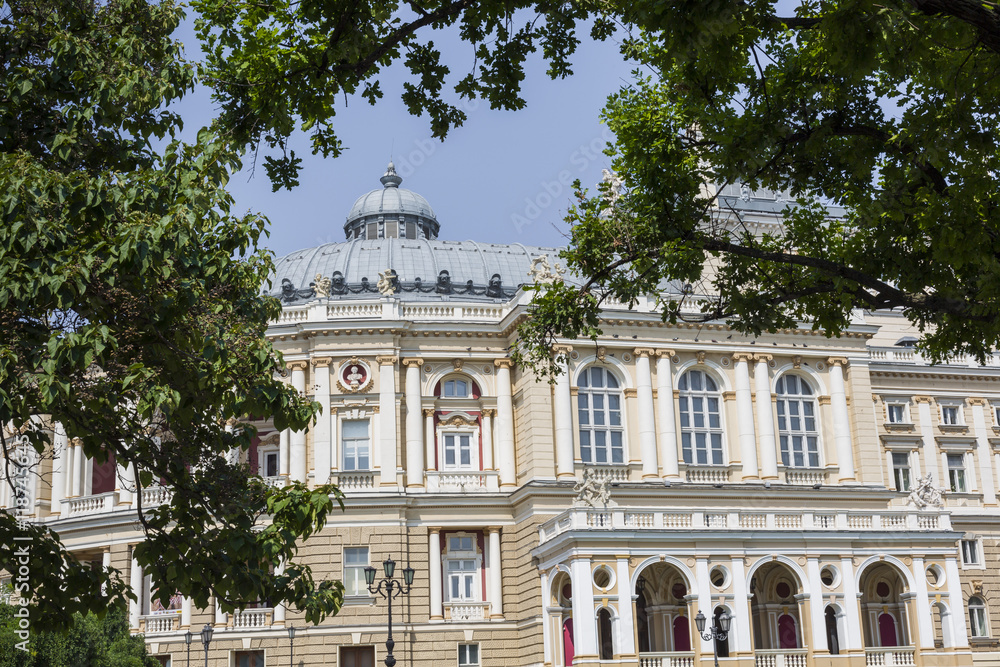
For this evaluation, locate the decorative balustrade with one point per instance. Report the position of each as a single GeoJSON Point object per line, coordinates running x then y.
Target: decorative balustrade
{"type": "Point", "coordinates": [902, 355]}
{"type": "Point", "coordinates": [898, 656]}
{"type": "Point", "coordinates": [707, 474]}
{"type": "Point", "coordinates": [466, 611]}
{"type": "Point", "coordinates": [641, 518]}
{"type": "Point", "coordinates": [785, 657]}
{"type": "Point", "coordinates": [102, 502]}
{"type": "Point", "coordinates": [667, 659]}
{"type": "Point", "coordinates": [805, 476]}
{"type": "Point", "coordinates": [468, 481]}
{"type": "Point", "coordinates": [614, 473]}
{"type": "Point", "coordinates": [361, 480]}
{"type": "Point", "coordinates": [347, 311]}
{"type": "Point", "coordinates": [293, 315]}
{"type": "Point", "coordinates": [156, 495]}
{"type": "Point", "coordinates": [158, 623]}
{"type": "Point", "coordinates": [277, 481]}
{"type": "Point", "coordinates": [252, 619]}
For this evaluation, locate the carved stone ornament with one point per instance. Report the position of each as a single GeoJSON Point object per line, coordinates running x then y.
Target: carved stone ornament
{"type": "Point", "coordinates": [457, 419]}
{"type": "Point", "coordinates": [797, 361]}
{"type": "Point", "coordinates": [700, 356]}
{"type": "Point", "coordinates": [541, 271]}
{"type": "Point", "coordinates": [614, 191]}
{"type": "Point", "coordinates": [388, 282]}
{"type": "Point", "coordinates": [272, 438]}
{"type": "Point", "coordinates": [593, 491]}
{"type": "Point", "coordinates": [458, 363]}
{"type": "Point", "coordinates": [925, 494]}
{"type": "Point", "coordinates": [602, 354]}
{"type": "Point", "coordinates": [354, 376]}
{"type": "Point", "coordinates": [321, 285]}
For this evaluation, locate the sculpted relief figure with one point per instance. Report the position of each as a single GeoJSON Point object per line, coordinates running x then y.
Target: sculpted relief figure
{"type": "Point", "coordinates": [592, 491]}
{"type": "Point", "coordinates": [321, 285]}
{"type": "Point", "coordinates": [541, 271]}
{"type": "Point", "coordinates": [387, 282]}
{"type": "Point", "coordinates": [925, 494]}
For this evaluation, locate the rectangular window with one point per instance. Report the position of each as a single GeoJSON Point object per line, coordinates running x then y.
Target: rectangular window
{"type": "Point", "coordinates": [355, 561]}
{"type": "Point", "coordinates": [897, 413]}
{"type": "Point", "coordinates": [354, 437]}
{"type": "Point", "coordinates": [956, 472]}
{"type": "Point", "coordinates": [901, 470]}
{"type": "Point", "coordinates": [461, 579]}
{"type": "Point", "coordinates": [270, 464]}
{"type": "Point", "coordinates": [970, 552]}
{"type": "Point", "coordinates": [357, 656]}
{"type": "Point", "coordinates": [468, 655]}
{"type": "Point", "coordinates": [164, 660]}
{"type": "Point", "coordinates": [411, 230]}
{"type": "Point", "coordinates": [372, 230]}
{"type": "Point", "coordinates": [950, 415]}
{"type": "Point", "coordinates": [391, 229]}
{"type": "Point", "coordinates": [458, 450]}
{"type": "Point", "coordinates": [460, 543]}
{"type": "Point", "coordinates": [249, 659]}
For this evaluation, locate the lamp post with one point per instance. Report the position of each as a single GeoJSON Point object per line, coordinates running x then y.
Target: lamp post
{"type": "Point", "coordinates": [291, 645]}
{"type": "Point", "coordinates": [187, 640]}
{"type": "Point", "coordinates": [389, 588]}
{"type": "Point", "coordinates": [716, 634]}
{"type": "Point", "coordinates": [206, 639]}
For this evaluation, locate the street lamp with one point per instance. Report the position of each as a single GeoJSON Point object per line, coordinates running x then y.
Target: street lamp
{"type": "Point", "coordinates": [389, 588]}
{"type": "Point", "coordinates": [187, 640]}
{"type": "Point", "coordinates": [206, 639]}
{"type": "Point", "coordinates": [291, 645]}
{"type": "Point", "coordinates": [716, 634]}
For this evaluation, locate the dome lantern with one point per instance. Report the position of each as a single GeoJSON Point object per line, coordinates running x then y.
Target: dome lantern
{"type": "Point", "coordinates": [391, 212]}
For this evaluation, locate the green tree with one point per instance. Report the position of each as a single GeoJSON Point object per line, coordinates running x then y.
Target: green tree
{"type": "Point", "coordinates": [131, 314]}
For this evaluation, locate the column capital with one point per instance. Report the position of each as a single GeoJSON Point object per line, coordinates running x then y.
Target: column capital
{"type": "Point", "coordinates": [76, 442]}
{"type": "Point", "coordinates": [759, 356]}
{"type": "Point", "coordinates": [503, 363]}
{"type": "Point", "coordinates": [644, 352]}
{"type": "Point", "coordinates": [562, 349]}
{"type": "Point", "coordinates": [410, 361]}
{"type": "Point", "coordinates": [321, 362]}
{"type": "Point", "coordinates": [386, 359]}
{"type": "Point", "coordinates": [923, 399]}
{"type": "Point", "coordinates": [743, 356]}
{"type": "Point", "coordinates": [837, 361]}
{"type": "Point", "coordinates": [296, 365]}
{"type": "Point", "coordinates": [434, 530]}
{"type": "Point", "coordinates": [976, 401]}
{"type": "Point", "coordinates": [665, 353]}
{"type": "Point", "coordinates": [429, 412]}
{"type": "Point", "coordinates": [489, 412]}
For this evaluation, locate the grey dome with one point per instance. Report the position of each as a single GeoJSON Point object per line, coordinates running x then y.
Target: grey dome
{"type": "Point", "coordinates": [408, 214]}
{"type": "Point", "coordinates": [424, 269]}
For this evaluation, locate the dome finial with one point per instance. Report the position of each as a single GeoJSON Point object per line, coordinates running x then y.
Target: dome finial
{"type": "Point", "coordinates": [390, 179]}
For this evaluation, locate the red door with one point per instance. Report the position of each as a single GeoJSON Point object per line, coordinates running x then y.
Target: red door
{"type": "Point", "coordinates": [887, 630]}
{"type": "Point", "coordinates": [786, 632]}
{"type": "Point", "coordinates": [102, 479]}
{"type": "Point", "coordinates": [568, 650]}
{"type": "Point", "coordinates": [682, 636]}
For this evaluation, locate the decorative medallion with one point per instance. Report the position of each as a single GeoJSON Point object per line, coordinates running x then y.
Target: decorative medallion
{"type": "Point", "coordinates": [626, 357]}
{"type": "Point", "coordinates": [354, 376]}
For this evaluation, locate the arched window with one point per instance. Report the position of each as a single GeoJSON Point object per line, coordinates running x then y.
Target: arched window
{"type": "Point", "coordinates": [832, 636]}
{"type": "Point", "coordinates": [721, 645]}
{"type": "Point", "coordinates": [600, 412]}
{"type": "Point", "coordinates": [797, 428]}
{"type": "Point", "coordinates": [977, 617]}
{"type": "Point", "coordinates": [607, 646]}
{"type": "Point", "coordinates": [701, 425]}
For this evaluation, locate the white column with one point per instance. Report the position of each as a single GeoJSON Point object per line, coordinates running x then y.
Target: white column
{"type": "Point", "coordinates": [387, 418]}
{"type": "Point", "coordinates": [434, 566]}
{"type": "Point", "coordinates": [743, 641]}
{"type": "Point", "coordinates": [487, 436]}
{"type": "Point", "coordinates": [279, 610]}
{"type": "Point", "coordinates": [221, 617]}
{"type": "Point", "coordinates": [430, 439]}
{"type": "Point", "coordinates": [135, 606]}
{"type": "Point", "coordinates": [744, 413]}
{"type": "Point", "coordinates": [79, 469]}
{"type": "Point", "coordinates": [283, 441]}
{"type": "Point", "coordinates": [665, 417]}
{"type": "Point", "coordinates": [60, 455]}
{"type": "Point", "coordinates": [925, 622]}
{"type": "Point", "coordinates": [956, 602]}
{"type": "Point", "coordinates": [816, 614]}
{"type": "Point", "coordinates": [647, 424]}
{"type": "Point", "coordinates": [546, 622]}
{"type": "Point", "coordinates": [765, 418]}
{"type": "Point", "coordinates": [841, 419]}
{"type": "Point", "coordinates": [124, 483]}
{"type": "Point", "coordinates": [927, 438]}
{"type": "Point", "coordinates": [414, 426]}
{"type": "Point", "coordinates": [852, 639]}
{"type": "Point", "coordinates": [584, 618]}
{"type": "Point", "coordinates": [704, 603]}
{"type": "Point", "coordinates": [983, 452]}
{"type": "Point", "coordinates": [563, 415]}
{"type": "Point", "coordinates": [297, 441]}
{"type": "Point", "coordinates": [185, 612]}
{"type": "Point", "coordinates": [626, 636]}
{"type": "Point", "coordinates": [494, 572]}
{"type": "Point", "coordinates": [322, 431]}
{"type": "Point", "coordinates": [105, 565]}
{"type": "Point", "coordinates": [505, 460]}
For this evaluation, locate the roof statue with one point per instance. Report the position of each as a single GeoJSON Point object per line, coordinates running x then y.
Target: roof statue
{"type": "Point", "coordinates": [387, 282]}
{"type": "Point", "coordinates": [614, 192]}
{"type": "Point", "coordinates": [321, 285]}
{"type": "Point", "coordinates": [541, 271]}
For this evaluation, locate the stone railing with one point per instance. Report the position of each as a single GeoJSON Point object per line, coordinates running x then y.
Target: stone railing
{"type": "Point", "coordinates": [899, 656]}
{"type": "Point", "coordinates": [667, 659]}
{"type": "Point", "coordinates": [478, 481]}
{"type": "Point", "coordinates": [156, 495]}
{"type": "Point", "coordinates": [102, 502]}
{"type": "Point", "coordinates": [615, 473]}
{"type": "Point", "coordinates": [466, 611]}
{"type": "Point", "coordinates": [707, 474]}
{"type": "Point", "coordinates": [637, 518]}
{"type": "Point", "coordinates": [356, 481]}
{"type": "Point", "coordinates": [276, 482]}
{"type": "Point", "coordinates": [158, 623]}
{"type": "Point", "coordinates": [784, 657]}
{"type": "Point", "coordinates": [805, 476]}
{"type": "Point", "coordinates": [293, 315]}
{"type": "Point", "coordinates": [905, 355]}
{"type": "Point", "coordinates": [347, 311]}
{"type": "Point", "coordinates": [256, 618]}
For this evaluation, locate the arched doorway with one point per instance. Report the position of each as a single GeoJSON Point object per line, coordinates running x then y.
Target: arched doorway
{"type": "Point", "coordinates": [774, 608]}
{"type": "Point", "coordinates": [883, 610]}
{"type": "Point", "coordinates": [661, 610]}
{"type": "Point", "coordinates": [832, 630]}
{"type": "Point", "coordinates": [721, 645]}
{"type": "Point", "coordinates": [605, 635]}
{"type": "Point", "coordinates": [561, 618]}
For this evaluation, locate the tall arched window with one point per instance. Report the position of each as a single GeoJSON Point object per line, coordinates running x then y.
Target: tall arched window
{"type": "Point", "coordinates": [701, 425]}
{"type": "Point", "coordinates": [604, 635]}
{"type": "Point", "coordinates": [600, 412]}
{"type": "Point", "coordinates": [797, 428]}
{"type": "Point", "coordinates": [977, 617]}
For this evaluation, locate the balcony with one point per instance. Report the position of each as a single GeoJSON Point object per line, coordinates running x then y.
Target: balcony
{"type": "Point", "coordinates": [276, 482]}
{"type": "Point", "coordinates": [667, 659]}
{"type": "Point", "coordinates": [462, 481]}
{"type": "Point", "coordinates": [784, 657]}
{"type": "Point", "coordinates": [155, 624]}
{"type": "Point", "coordinates": [102, 502]}
{"type": "Point", "coordinates": [257, 618]}
{"type": "Point", "coordinates": [643, 519]}
{"type": "Point", "coordinates": [156, 495]}
{"type": "Point", "coordinates": [467, 611]}
{"type": "Point", "coordinates": [899, 656]}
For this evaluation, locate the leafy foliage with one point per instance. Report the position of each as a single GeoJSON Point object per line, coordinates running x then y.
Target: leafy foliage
{"type": "Point", "coordinates": [132, 314]}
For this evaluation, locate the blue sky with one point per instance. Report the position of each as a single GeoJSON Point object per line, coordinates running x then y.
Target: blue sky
{"type": "Point", "coordinates": [501, 178]}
